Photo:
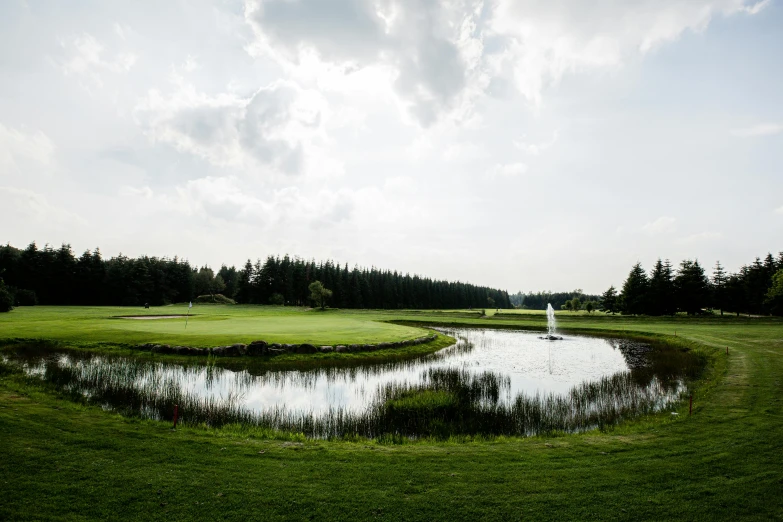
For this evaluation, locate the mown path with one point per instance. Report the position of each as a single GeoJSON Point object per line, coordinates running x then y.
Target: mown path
{"type": "Point", "coordinates": [64, 461]}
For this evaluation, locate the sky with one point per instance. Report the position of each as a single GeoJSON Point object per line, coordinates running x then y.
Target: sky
{"type": "Point", "coordinates": [521, 144]}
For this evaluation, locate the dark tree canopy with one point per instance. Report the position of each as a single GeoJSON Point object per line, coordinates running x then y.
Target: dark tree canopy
{"type": "Point", "coordinates": [355, 287]}
{"type": "Point", "coordinates": [609, 301]}
{"type": "Point", "coordinates": [634, 295]}
{"type": "Point", "coordinates": [689, 290]}
{"type": "Point", "coordinates": [54, 277]}
{"type": "Point", "coordinates": [6, 298]}
{"type": "Point", "coordinates": [719, 288]}
{"type": "Point", "coordinates": [774, 298]}
{"type": "Point", "coordinates": [539, 300]}
{"type": "Point", "coordinates": [660, 300]}
{"type": "Point", "coordinates": [692, 287]}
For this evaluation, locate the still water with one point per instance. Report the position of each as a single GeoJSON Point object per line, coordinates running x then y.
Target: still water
{"type": "Point", "coordinates": [522, 364]}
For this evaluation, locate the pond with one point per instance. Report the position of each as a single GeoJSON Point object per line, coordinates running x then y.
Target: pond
{"type": "Point", "coordinates": [490, 382]}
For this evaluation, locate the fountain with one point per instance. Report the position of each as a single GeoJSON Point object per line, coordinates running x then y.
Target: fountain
{"type": "Point", "coordinates": [551, 325]}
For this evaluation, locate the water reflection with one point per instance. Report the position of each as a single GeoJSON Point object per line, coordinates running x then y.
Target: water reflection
{"type": "Point", "coordinates": [493, 381]}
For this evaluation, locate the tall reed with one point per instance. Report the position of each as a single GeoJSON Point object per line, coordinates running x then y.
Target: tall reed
{"type": "Point", "coordinates": [446, 402]}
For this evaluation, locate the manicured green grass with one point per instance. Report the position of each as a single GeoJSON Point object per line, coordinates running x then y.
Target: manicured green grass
{"type": "Point", "coordinates": [65, 461]}
{"type": "Point", "coordinates": [210, 325]}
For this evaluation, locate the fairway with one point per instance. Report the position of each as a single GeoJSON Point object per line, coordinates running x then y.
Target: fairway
{"type": "Point", "coordinates": [723, 462]}
{"type": "Point", "coordinates": [209, 325]}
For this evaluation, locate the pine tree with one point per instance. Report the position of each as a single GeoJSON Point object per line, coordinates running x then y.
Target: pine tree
{"type": "Point", "coordinates": [692, 287]}
{"type": "Point", "coordinates": [757, 281]}
{"type": "Point", "coordinates": [244, 284]}
{"type": "Point", "coordinates": [661, 290]}
{"type": "Point", "coordinates": [609, 300]}
{"type": "Point", "coordinates": [634, 294]}
{"type": "Point", "coordinates": [719, 280]}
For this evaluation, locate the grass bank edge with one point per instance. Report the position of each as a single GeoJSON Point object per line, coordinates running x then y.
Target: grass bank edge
{"type": "Point", "coordinates": [127, 350]}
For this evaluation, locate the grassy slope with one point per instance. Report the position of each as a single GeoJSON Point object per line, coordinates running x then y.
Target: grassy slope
{"type": "Point", "coordinates": [65, 461]}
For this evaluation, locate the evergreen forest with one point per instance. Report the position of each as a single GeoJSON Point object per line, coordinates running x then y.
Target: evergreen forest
{"type": "Point", "coordinates": [755, 289]}
{"type": "Point", "coordinates": [50, 276]}
{"type": "Point", "coordinates": [558, 300]}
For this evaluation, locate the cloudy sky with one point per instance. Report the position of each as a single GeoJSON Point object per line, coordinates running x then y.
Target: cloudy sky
{"type": "Point", "coordinates": [523, 144]}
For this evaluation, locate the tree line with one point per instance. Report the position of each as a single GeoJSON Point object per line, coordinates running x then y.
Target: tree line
{"type": "Point", "coordinates": [286, 280]}
{"type": "Point", "coordinates": [756, 288]}
{"type": "Point", "coordinates": [559, 300]}
{"type": "Point", "coordinates": [52, 276]}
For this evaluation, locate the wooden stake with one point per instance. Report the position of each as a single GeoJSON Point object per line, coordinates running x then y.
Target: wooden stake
{"type": "Point", "coordinates": [176, 414]}
{"type": "Point", "coordinates": [690, 408]}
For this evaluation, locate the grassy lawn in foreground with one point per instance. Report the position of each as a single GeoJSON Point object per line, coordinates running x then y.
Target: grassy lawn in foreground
{"type": "Point", "coordinates": [65, 461]}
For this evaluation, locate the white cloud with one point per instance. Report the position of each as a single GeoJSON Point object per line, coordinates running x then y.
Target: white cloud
{"type": "Point", "coordinates": [276, 127]}
{"type": "Point", "coordinates": [18, 149]}
{"type": "Point", "coordinates": [87, 58]}
{"type": "Point", "coordinates": [779, 210]}
{"type": "Point", "coordinates": [19, 204]}
{"type": "Point", "coordinates": [144, 192]}
{"type": "Point", "coordinates": [534, 149]}
{"type": "Point", "coordinates": [440, 57]}
{"type": "Point", "coordinates": [545, 39]}
{"type": "Point", "coordinates": [506, 170]}
{"type": "Point", "coordinates": [460, 152]}
{"type": "Point", "coordinates": [190, 64]}
{"type": "Point", "coordinates": [432, 50]}
{"type": "Point", "coordinates": [757, 7]}
{"type": "Point", "coordinates": [399, 184]}
{"type": "Point", "coordinates": [230, 199]}
{"type": "Point", "coordinates": [762, 129]}
{"type": "Point", "coordinates": [121, 30]}
{"type": "Point", "coordinates": [662, 225]}
{"type": "Point", "coordinates": [700, 237]}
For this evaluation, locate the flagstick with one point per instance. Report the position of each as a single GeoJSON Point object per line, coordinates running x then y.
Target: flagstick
{"type": "Point", "coordinates": [188, 316]}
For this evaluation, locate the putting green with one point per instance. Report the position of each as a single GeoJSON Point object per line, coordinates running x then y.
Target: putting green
{"type": "Point", "coordinates": [208, 325]}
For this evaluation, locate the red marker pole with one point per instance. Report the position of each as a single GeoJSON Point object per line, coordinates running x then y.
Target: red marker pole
{"type": "Point", "coordinates": [176, 414]}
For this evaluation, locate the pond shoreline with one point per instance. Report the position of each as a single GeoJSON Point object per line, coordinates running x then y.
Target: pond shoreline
{"type": "Point", "coordinates": [486, 384]}
{"type": "Point", "coordinates": [262, 348]}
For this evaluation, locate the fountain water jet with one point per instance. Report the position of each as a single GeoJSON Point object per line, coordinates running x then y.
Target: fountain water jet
{"type": "Point", "coordinates": [551, 325]}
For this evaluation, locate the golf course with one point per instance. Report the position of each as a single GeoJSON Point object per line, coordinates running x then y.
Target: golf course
{"type": "Point", "coordinates": [69, 458]}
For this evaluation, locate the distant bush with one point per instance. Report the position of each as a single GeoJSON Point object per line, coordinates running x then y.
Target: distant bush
{"type": "Point", "coordinates": [276, 299]}
{"type": "Point", "coordinates": [212, 299]}
{"type": "Point", "coordinates": [6, 299]}
{"type": "Point", "coordinates": [25, 297]}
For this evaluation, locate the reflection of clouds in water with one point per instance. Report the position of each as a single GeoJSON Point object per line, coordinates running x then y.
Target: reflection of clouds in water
{"type": "Point", "coordinates": [535, 365]}
{"type": "Point", "coordinates": [530, 366]}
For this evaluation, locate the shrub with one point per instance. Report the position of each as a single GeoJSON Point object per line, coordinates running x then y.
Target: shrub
{"type": "Point", "coordinates": [26, 297]}
{"type": "Point", "coordinates": [6, 299]}
{"type": "Point", "coordinates": [277, 299]}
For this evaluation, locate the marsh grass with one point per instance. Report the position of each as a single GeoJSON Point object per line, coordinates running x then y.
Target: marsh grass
{"type": "Point", "coordinates": [447, 402]}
